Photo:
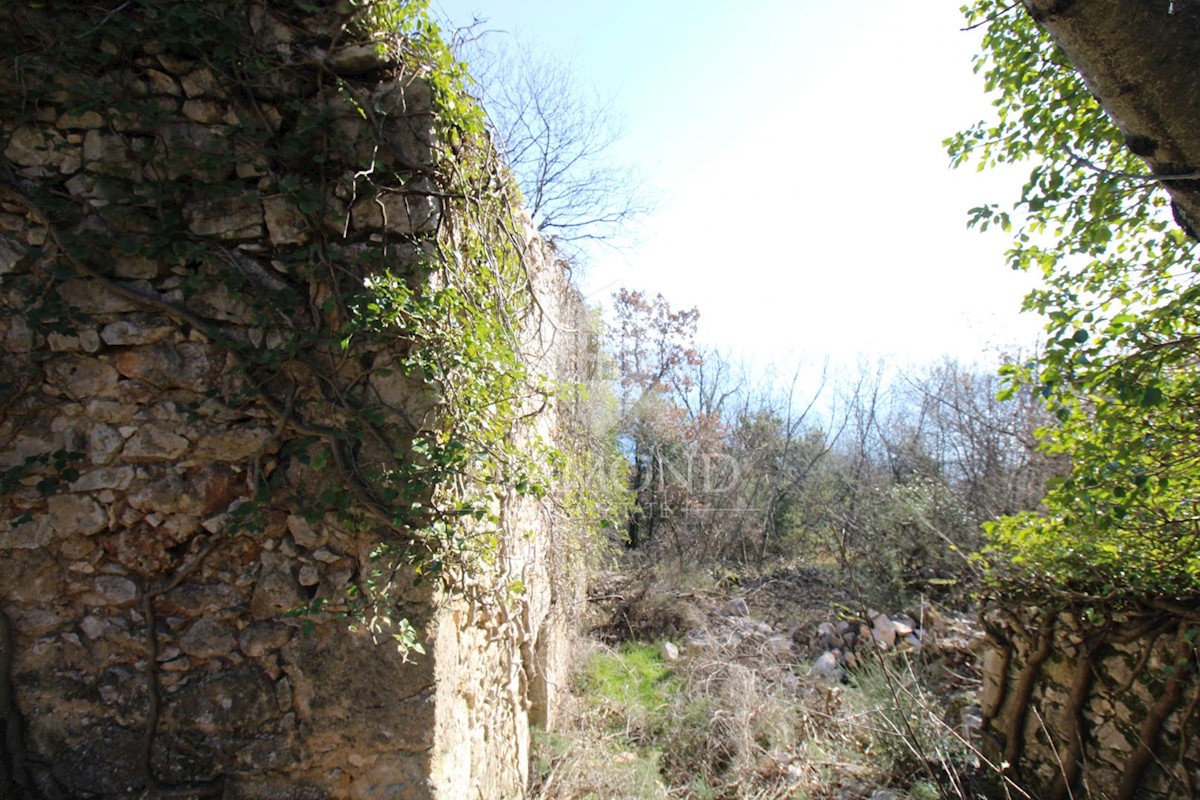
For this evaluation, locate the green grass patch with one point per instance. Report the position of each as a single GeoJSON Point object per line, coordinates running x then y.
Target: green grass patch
{"type": "Point", "coordinates": [633, 678]}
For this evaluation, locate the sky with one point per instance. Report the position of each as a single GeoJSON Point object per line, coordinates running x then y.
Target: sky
{"type": "Point", "coordinates": [805, 201]}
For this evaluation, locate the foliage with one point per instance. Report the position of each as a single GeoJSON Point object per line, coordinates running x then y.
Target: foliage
{"type": "Point", "coordinates": [1118, 370]}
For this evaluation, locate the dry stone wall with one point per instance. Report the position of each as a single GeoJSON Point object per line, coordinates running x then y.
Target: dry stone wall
{"type": "Point", "coordinates": [195, 601]}
{"type": "Point", "coordinates": [1083, 704]}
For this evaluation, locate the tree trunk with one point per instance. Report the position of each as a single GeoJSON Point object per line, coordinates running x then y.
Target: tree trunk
{"type": "Point", "coordinates": [1140, 58]}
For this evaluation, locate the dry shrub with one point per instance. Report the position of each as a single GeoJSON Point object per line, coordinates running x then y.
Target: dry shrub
{"type": "Point", "coordinates": [731, 720]}
{"type": "Point", "coordinates": [647, 608]}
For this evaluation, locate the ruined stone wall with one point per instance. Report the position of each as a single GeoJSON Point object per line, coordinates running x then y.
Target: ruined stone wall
{"type": "Point", "coordinates": [194, 439]}
{"type": "Point", "coordinates": [1084, 705]}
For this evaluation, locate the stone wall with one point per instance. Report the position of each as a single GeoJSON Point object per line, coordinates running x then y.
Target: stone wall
{"type": "Point", "coordinates": [194, 598]}
{"type": "Point", "coordinates": [1083, 703]}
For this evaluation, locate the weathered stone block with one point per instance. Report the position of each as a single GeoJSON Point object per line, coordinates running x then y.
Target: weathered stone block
{"type": "Point", "coordinates": [83, 377]}
{"type": "Point", "coordinates": [168, 366]}
{"type": "Point", "coordinates": [95, 297]}
{"type": "Point", "coordinates": [286, 225]}
{"type": "Point", "coordinates": [154, 443]}
{"type": "Point", "coordinates": [238, 701]}
{"type": "Point", "coordinates": [207, 638]}
{"type": "Point", "coordinates": [411, 210]}
{"type": "Point", "coordinates": [238, 217]}
{"type": "Point", "coordinates": [76, 514]}
{"type": "Point", "coordinates": [131, 331]}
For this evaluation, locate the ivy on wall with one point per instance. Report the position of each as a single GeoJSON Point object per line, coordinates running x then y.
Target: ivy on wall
{"type": "Point", "coordinates": [323, 169]}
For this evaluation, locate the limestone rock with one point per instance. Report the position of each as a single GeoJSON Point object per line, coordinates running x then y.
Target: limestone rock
{"type": "Point", "coordinates": [131, 331]}
{"type": "Point", "coordinates": [162, 495]}
{"type": "Point", "coordinates": [207, 638]}
{"type": "Point", "coordinates": [154, 442]}
{"type": "Point", "coordinates": [286, 225]}
{"type": "Point", "coordinates": [217, 302]}
{"type": "Point", "coordinates": [158, 82]}
{"type": "Point", "coordinates": [135, 268]}
{"type": "Point", "coordinates": [110, 590]}
{"type": "Point", "coordinates": [201, 83]}
{"type": "Point", "coordinates": [304, 533]}
{"type": "Point", "coordinates": [95, 297]}
{"type": "Point", "coordinates": [309, 575]}
{"type": "Point", "coordinates": [393, 775]}
{"type": "Point", "coordinates": [412, 210]}
{"type": "Point", "coordinates": [103, 444]}
{"type": "Point", "coordinates": [884, 631]}
{"type": "Point", "coordinates": [19, 338]}
{"type": "Point", "coordinates": [356, 59]}
{"type": "Point", "coordinates": [33, 534]}
{"type": "Point", "coordinates": [33, 146]}
{"type": "Point", "coordinates": [259, 638]}
{"type": "Point", "coordinates": [207, 112]}
{"type": "Point", "coordinates": [84, 120]}
{"type": "Point", "coordinates": [76, 513]}
{"type": "Point", "coordinates": [102, 760]}
{"type": "Point", "coordinates": [326, 556]}
{"type": "Point", "coordinates": [276, 589]}
{"type": "Point", "coordinates": [238, 701]}
{"type": "Point", "coordinates": [336, 577]}
{"type": "Point", "coordinates": [237, 217]}
{"type": "Point", "coordinates": [168, 366]}
{"type": "Point", "coordinates": [668, 652]}
{"type": "Point", "coordinates": [199, 599]}
{"type": "Point", "coordinates": [827, 666]}
{"type": "Point", "coordinates": [231, 446]}
{"type": "Point", "coordinates": [13, 255]}
{"type": "Point", "coordinates": [111, 153]}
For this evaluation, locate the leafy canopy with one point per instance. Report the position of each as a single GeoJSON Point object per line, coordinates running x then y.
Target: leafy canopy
{"type": "Point", "coordinates": [1119, 292]}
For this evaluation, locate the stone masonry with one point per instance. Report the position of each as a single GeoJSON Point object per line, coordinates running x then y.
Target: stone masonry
{"type": "Point", "coordinates": [1097, 708]}
{"type": "Point", "coordinates": [158, 638]}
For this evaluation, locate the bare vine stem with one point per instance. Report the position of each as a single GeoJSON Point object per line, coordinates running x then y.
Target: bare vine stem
{"type": "Point", "coordinates": [153, 699]}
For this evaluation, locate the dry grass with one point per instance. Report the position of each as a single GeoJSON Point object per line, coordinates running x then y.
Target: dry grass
{"type": "Point", "coordinates": [739, 716]}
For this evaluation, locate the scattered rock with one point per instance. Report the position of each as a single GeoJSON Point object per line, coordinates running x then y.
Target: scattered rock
{"type": "Point", "coordinates": [736, 607]}
{"type": "Point", "coordinates": [826, 666]}
{"type": "Point", "coordinates": [668, 652]}
{"type": "Point", "coordinates": [883, 630]}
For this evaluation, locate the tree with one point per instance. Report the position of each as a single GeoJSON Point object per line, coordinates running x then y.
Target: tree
{"type": "Point", "coordinates": [654, 349]}
{"type": "Point", "coordinates": [558, 139]}
{"type": "Point", "coordinates": [1100, 218]}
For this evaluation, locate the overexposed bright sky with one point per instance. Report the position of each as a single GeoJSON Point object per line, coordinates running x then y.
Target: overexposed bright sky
{"type": "Point", "coordinates": [806, 204]}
